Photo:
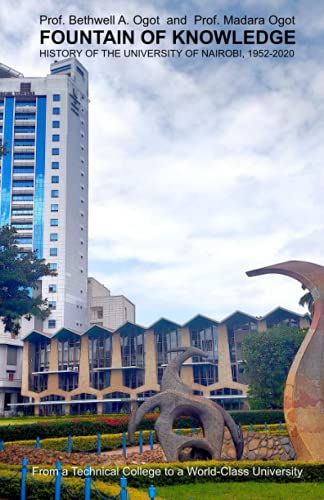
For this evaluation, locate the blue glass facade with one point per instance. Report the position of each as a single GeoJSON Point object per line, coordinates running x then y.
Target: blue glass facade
{"type": "Point", "coordinates": [40, 175]}
{"type": "Point", "coordinates": [6, 162]}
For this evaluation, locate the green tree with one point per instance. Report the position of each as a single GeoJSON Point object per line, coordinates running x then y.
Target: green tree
{"type": "Point", "coordinates": [19, 274]}
{"type": "Point", "coordinates": [267, 358]}
{"type": "Point", "coordinates": [307, 300]}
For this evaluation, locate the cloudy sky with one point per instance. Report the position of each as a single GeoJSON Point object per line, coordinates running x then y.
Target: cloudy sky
{"type": "Point", "coordinates": [199, 170]}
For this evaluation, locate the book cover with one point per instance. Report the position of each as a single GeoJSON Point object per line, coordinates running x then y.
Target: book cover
{"type": "Point", "coordinates": [159, 156]}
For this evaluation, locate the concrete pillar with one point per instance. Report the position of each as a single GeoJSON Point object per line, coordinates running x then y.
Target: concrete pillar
{"type": "Point", "coordinates": [100, 408]}
{"type": "Point", "coordinates": [185, 337]}
{"type": "Point", "coordinates": [116, 375]}
{"type": "Point", "coordinates": [53, 366]}
{"type": "Point", "coordinates": [14, 399]}
{"type": "Point", "coordinates": [262, 326]}
{"type": "Point", "coordinates": [84, 376]}
{"type": "Point", "coordinates": [150, 360]}
{"type": "Point", "coordinates": [66, 409]}
{"type": "Point", "coordinates": [25, 369]}
{"type": "Point", "coordinates": [2, 398]}
{"type": "Point", "coordinates": [36, 410]}
{"type": "Point", "coordinates": [224, 360]}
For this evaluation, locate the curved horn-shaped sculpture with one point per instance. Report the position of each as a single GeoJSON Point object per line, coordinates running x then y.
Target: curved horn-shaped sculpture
{"type": "Point", "coordinates": [176, 399]}
{"type": "Point", "coordinates": [304, 391]}
{"type": "Point", "coordinates": [171, 376]}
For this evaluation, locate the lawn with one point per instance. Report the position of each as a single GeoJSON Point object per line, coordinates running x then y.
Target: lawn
{"type": "Point", "coordinates": [242, 491]}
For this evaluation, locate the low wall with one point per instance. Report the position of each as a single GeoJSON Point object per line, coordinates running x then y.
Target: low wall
{"type": "Point", "coordinates": [259, 446]}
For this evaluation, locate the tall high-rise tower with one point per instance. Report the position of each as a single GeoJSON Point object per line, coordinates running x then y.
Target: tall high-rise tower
{"type": "Point", "coordinates": [44, 180]}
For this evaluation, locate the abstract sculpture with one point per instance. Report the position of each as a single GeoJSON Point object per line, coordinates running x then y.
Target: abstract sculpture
{"type": "Point", "coordinates": [304, 391]}
{"type": "Point", "coordinates": [176, 399]}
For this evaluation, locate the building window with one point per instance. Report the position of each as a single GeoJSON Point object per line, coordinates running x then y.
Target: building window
{"type": "Point", "coordinates": [52, 304]}
{"type": "Point", "coordinates": [100, 352]}
{"type": "Point", "coordinates": [23, 183]}
{"type": "Point", "coordinates": [206, 339]}
{"type": "Point", "coordinates": [56, 124]}
{"type": "Point", "coordinates": [54, 222]}
{"type": "Point", "coordinates": [11, 355]}
{"type": "Point", "coordinates": [56, 97]}
{"type": "Point", "coordinates": [55, 179]}
{"type": "Point", "coordinates": [55, 165]}
{"type": "Point", "coordinates": [22, 197]}
{"type": "Point", "coordinates": [132, 349]}
{"type": "Point", "coordinates": [55, 138]}
{"type": "Point", "coordinates": [25, 87]}
{"type": "Point", "coordinates": [52, 288]}
{"type": "Point", "coordinates": [133, 378]}
{"type": "Point", "coordinates": [69, 353]}
{"type": "Point", "coordinates": [205, 374]}
{"type": "Point", "coordinates": [53, 252]}
{"type": "Point", "coordinates": [55, 151]}
{"type": "Point", "coordinates": [54, 193]}
{"type": "Point", "coordinates": [166, 338]}
{"type": "Point", "coordinates": [24, 240]}
{"type": "Point", "coordinates": [56, 111]}
{"type": "Point", "coordinates": [53, 236]}
{"type": "Point", "coordinates": [54, 207]}
{"type": "Point", "coordinates": [51, 323]}
{"type": "Point", "coordinates": [53, 266]}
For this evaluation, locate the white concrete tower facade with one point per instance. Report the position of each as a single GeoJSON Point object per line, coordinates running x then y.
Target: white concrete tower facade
{"type": "Point", "coordinates": [44, 180]}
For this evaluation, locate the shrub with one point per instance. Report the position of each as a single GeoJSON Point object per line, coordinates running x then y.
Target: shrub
{"type": "Point", "coordinates": [114, 441]}
{"type": "Point", "coordinates": [111, 424]}
{"type": "Point", "coordinates": [39, 487]}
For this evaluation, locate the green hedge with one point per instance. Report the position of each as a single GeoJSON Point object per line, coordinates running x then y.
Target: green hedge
{"type": "Point", "coordinates": [39, 487]}
{"type": "Point", "coordinates": [117, 424]}
{"type": "Point", "coordinates": [89, 443]}
{"type": "Point", "coordinates": [114, 441]}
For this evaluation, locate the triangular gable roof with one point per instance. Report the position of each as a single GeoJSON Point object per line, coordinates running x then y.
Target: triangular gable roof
{"type": "Point", "coordinates": [63, 332]}
{"type": "Point", "coordinates": [283, 313]}
{"type": "Point", "coordinates": [95, 329]}
{"type": "Point", "coordinates": [238, 317]}
{"type": "Point", "coordinates": [130, 328]}
{"type": "Point", "coordinates": [35, 334]}
{"type": "Point", "coordinates": [199, 320]}
{"type": "Point", "coordinates": [163, 323]}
